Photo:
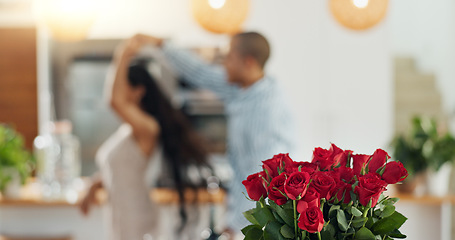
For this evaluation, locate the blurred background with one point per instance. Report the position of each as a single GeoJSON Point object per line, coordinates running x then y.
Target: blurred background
{"type": "Point", "coordinates": [356, 73]}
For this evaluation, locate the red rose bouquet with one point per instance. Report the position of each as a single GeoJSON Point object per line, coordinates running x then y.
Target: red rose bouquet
{"type": "Point", "coordinates": [338, 195]}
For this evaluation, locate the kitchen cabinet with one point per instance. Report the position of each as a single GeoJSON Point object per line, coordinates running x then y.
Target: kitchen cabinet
{"type": "Point", "coordinates": [18, 81]}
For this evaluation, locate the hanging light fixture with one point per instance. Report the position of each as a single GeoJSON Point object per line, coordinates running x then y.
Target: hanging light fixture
{"type": "Point", "coordinates": [358, 14]}
{"type": "Point", "coordinates": [67, 20]}
{"type": "Point", "coordinates": [221, 16]}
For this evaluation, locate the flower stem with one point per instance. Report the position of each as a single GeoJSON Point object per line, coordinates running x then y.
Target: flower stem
{"type": "Point", "coordinates": [319, 235]}
{"type": "Point", "coordinates": [295, 217]}
{"type": "Point", "coordinates": [349, 225]}
{"type": "Point", "coordinates": [365, 213]}
{"type": "Point", "coordinates": [262, 202]}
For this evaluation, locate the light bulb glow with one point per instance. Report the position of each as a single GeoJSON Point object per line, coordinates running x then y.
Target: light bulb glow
{"type": "Point", "coordinates": [360, 3]}
{"type": "Point", "coordinates": [217, 4]}
{"type": "Point", "coordinates": [67, 20]}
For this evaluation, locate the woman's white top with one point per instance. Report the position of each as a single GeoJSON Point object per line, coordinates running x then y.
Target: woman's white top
{"type": "Point", "coordinates": [123, 167]}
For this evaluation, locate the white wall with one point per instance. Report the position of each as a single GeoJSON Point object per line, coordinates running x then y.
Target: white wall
{"type": "Point", "coordinates": [426, 31]}
{"type": "Point", "coordinates": [165, 18]}
{"type": "Point", "coordinates": [339, 80]}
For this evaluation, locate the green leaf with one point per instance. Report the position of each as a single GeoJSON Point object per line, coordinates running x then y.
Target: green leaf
{"type": "Point", "coordinates": [288, 205]}
{"type": "Point", "coordinates": [13, 156]}
{"type": "Point", "coordinates": [287, 231]}
{"type": "Point", "coordinates": [333, 210]}
{"type": "Point", "coordinates": [341, 218]}
{"type": "Point", "coordinates": [377, 212]}
{"type": "Point", "coordinates": [278, 218]}
{"type": "Point", "coordinates": [364, 234]}
{"type": "Point", "coordinates": [370, 222]}
{"type": "Point", "coordinates": [252, 232]}
{"type": "Point", "coordinates": [381, 170]}
{"type": "Point", "coordinates": [388, 211]}
{"type": "Point", "coordinates": [272, 204]}
{"type": "Point", "coordinates": [272, 231]}
{"type": "Point", "coordinates": [393, 200]}
{"type": "Point", "coordinates": [356, 212]}
{"type": "Point", "coordinates": [397, 234]}
{"type": "Point", "coordinates": [358, 222]}
{"type": "Point", "coordinates": [287, 215]}
{"type": "Point", "coordinates": [247, 228]}
{"type": "Point", "coordinates": [328, 232]}
{"type": "Point", "coordinates": [263, 216]}
{"type": "Point", "coordinates": [353, 195]}
{"type": "Point", "coordinates": [249, 216]}
{"type": "Point", "coordinates": [388, 224]}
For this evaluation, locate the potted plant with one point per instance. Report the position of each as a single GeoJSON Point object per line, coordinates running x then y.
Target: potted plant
{"type": "Point", "coordinates": [426, 153]}
{"type": "Point", "coordinates": [15, 161]}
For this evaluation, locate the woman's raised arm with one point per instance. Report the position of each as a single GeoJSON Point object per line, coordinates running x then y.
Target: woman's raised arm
{"type": "Point", "coordinates": [125, 99]}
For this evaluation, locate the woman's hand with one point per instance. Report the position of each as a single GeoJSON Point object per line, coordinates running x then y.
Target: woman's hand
{"type": "Point", "coordinates": [147, 39]}
{"type": "Point", "coordinates": [128, 49]}
{"type": "Point", "coordinates": [228, 234]}
{"type": "Point", "coordinates": [90, 198]}
{"type": "Point", "coordinates": [131, 46]}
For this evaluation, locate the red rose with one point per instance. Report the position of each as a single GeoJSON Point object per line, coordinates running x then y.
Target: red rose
{"type": "Point", "coordinates": [276, 190]}
{"type": "Point", "coordinates": [255, 186]}
{"type": "Point", "coordinates": [320, 158]}
{"type": "Point", "coordinates": [359, 163]}
{"type": "Point", "coordinates": [311, 199]}
{"type": "Point", "coordinates": [378, 159]}
{"type": "Point", "coordinates": [342, 159]}
{"type": "Point", "coordinates": [335, 150]}
{"type": "Point", "coordinates": [370, 188]}
{"type": "Point", "coordinates": [327, 159]}
{"type": "Point", "coordinates": [394, 172]}
{"type": "Point", "coordinates": [308, 167]}
{"type": "Point", "coordinates": [323, 183]}
{"type": "Point", "coordinates": [342, 192]}
{"type": "Point", "coordinates": [344, 173]}
{"type": "Point", "coordinates": [296, 184]}
{"type": "Point", "coordinates": [277, 163]}
{"type": "Point", "coordinates": [311, 220]}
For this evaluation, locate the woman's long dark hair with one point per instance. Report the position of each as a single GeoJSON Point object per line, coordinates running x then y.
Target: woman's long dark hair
{"type": "Point", "coordinates": [181, 145]}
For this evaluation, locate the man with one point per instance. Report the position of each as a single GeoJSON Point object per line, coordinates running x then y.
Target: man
{"type": "Point", "coordinates": [260, 124]}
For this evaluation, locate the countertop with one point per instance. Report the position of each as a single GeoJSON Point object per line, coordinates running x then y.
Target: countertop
{"type": "Point", "coordinates": [30, 195]}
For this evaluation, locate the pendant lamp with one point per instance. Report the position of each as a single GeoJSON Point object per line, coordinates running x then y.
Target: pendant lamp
{"type": "Point", "coordinates": [358, 14]}
{"type": "Point", "coordinates": [221, 16]}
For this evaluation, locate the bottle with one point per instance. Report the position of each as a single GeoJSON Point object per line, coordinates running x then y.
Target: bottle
{"type": "Point", "coordinates": [45, 161]}
{"type": "Point", "coordinates": [210, 233]}
{"type": "Point", "coordinates": [213, 186]}
{"type": "Point", "coordinates": [59, 164]}
{"type": "Point", "coordinates": [67, 165]}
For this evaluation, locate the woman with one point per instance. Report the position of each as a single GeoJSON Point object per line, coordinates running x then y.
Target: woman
{"type": "Point", "coordinates": [151, 127]}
